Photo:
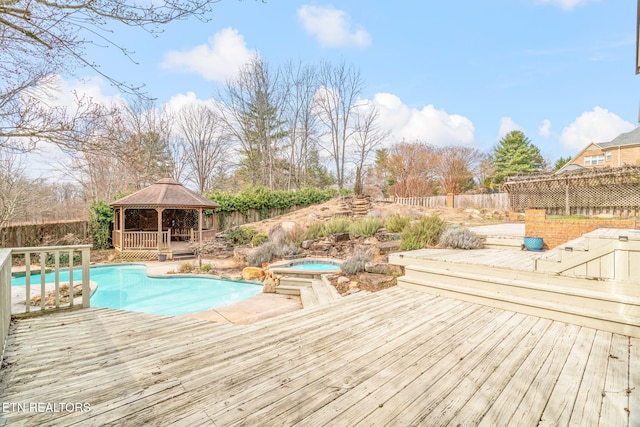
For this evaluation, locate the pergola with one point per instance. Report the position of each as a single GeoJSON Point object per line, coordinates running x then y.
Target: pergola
{"type": "Point", "coordinates": [164, 217]}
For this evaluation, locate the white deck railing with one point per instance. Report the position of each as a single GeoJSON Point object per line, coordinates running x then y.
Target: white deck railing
{"type": "Point", "coordinates": [5, 297]}
{"type": "Point", "coordinates": [41, 254]}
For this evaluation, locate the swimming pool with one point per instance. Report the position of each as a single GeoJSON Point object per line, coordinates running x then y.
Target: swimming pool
{"type": "Point", "coordinates": [127, 287]}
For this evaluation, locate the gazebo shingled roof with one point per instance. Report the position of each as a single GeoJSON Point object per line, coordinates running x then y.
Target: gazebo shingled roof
{"type": "Point", "coordinates": [166, 193]}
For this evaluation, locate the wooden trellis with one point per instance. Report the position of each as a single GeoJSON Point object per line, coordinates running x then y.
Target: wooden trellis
{"type": "Point", "coordinates": [614, 191]}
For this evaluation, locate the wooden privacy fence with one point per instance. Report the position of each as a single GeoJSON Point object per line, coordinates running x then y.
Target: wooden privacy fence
{"type": "Point", "coordinates": [588, 192]}
{"type": "Point", "coordinates": [478, 201]}
{"type": "Point", "coordinates": [36, 234]}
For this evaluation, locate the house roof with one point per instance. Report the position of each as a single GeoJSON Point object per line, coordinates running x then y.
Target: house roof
{"type": "Point", "coordinates": [165, 193]}
{"type": "Point", "coordinates": [629, 138]}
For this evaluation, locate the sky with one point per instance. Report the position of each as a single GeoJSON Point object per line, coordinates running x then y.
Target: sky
{"type": "Point", "coordinates": [442, 72]}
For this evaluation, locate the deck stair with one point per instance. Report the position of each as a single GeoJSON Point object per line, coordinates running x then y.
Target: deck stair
{"type": "Point", "coordinates": [603, 254]}
{"type": "Point", "coordinates": [312, 292]}
{"type": "Point", "coordinates": [502, 242]}
{"type": "Point", "coordinates": [609, 306]}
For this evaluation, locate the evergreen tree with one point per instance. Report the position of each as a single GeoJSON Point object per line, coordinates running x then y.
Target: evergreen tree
{"type": "Point", "coordinates": [515, 154]}
{"type": "Point", "coordinates": [560, 163]}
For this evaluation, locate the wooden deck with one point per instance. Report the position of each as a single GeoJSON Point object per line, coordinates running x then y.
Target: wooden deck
{"type": "Point", "coordinates": [396, 357]}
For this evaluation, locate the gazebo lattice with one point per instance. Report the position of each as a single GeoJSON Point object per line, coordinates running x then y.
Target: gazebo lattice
{"type": "Point", "coordinates": [614, 191]}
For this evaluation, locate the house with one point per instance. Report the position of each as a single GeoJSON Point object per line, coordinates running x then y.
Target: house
{"type": "Point", "coordinates": [623, 150]}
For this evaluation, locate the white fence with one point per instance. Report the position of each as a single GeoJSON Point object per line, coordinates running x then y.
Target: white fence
{"type": "Point", "coordinates": [42, 256]}
{"type": "Point", "coordinates": [478, 201]}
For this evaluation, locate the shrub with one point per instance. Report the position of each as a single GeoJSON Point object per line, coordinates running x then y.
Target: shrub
{"type": "Point", "coordinates": [424, 233]}
{"type": "Point", "coordinates": [460, 238]}
{"type": "Point", "coordinates": [337, 224]}
{"type": "Point", "coordinates": [259, 239]}
{"type": "Point", "coordinates": [100, 220]}
{"type": "Point", "coordinates": [314, 230]}
{"type": "Point", "coordinates": [262, 254]}
{"type": "Point", "coordinates": [187, 267]}
{"type": "Point", "coordinates": [355, 264]}
{"type": "Point", "coordinates": [287, 250]}
{"type": "Point", "coordinates": [396, 223]}
{"type": "Point", "coordinates": [366, 227]}
{"type": "Point", "coordinates": [295, 236]}
{"type": "Point", "coordinates": [241, 235]}
{"type": "Point", "coordinates": [206, 268]}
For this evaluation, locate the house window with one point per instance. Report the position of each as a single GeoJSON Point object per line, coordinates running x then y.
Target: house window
{"type": "Point", "coordinates": [594, 160]}
{"type": "Point", "coordinates": [608, 156]}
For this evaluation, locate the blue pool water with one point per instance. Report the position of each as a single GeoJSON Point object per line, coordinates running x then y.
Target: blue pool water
{"type": "Point", "coordinates": [316, 266]}
{"type": "Point", "coordinates": [127, 287]}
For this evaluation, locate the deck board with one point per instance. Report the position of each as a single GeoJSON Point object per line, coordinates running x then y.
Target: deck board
{"type": "Point", "coordinates": [396, 357]}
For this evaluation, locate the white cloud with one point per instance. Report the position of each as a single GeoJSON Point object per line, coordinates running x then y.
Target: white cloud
{"type": "Point", "coordinates": [428, 124]}
{"type": "Point", "coordinates": [507, 125]}
{"type": "Point", "coordinates": [332, 27]}
{"type": "Point", "coordinates": [565, 4]}
{"type": "Point", "coordinates": [220, 58]}
{"type": "Point", "coordinates": [598, 125]}
{"type": "Point", "coordinates": [544, 130]}
{"type": "Point", "coordinates": [60, 92]}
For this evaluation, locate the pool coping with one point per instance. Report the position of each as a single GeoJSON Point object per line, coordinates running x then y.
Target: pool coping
{"type": "Point", "coordinates": [285, 267]}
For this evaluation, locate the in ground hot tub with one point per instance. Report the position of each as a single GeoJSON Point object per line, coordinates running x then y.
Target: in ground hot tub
{"type": "Point", "coordinates": [306, 267]}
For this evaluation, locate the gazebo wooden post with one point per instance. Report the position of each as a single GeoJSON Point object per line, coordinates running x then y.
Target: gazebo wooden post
{"type": "Point", "coordinates": [200, 220]}
{"type": "Point", "coordinates": [121, 227]}
{"type": "Point", "coordinates": [159, 210]}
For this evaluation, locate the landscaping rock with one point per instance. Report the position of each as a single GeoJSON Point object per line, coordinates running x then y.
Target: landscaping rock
{"type": "Point", "coordinates": [252, 273]}
{"type": "Point", "coordinates": [342, 280]}
{"type": "Point", "coordinates": [389, 247]}
{"type": "Point", "coordinates": [269, 285]}
{"type": "Point", "coordinates": [339, 237]}
{"type": "Point", "coordinates": [307, 244]}
{"type": "Point", "coordinates": [376, 282]}
{"type": "Point", "coordinates": [320, 247]}
{"type": "Point", "coordinates": [384, 268]}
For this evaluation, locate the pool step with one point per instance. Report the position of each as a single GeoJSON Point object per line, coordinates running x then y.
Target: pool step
{"type": "Point", "coordinates": [312, 292]}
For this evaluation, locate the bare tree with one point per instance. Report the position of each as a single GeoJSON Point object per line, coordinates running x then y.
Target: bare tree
{"type": "Point", "coordinates": [44, 39]}
{"type": "Point", "coordinates": [206, 143]}
{"type": "Point", "coordinates": [455, 167]}
{"type": "Point", "coordinates": [410, 168]}
{"type": "Point", "coordinates": [253, 107]}
{"type": "Point", "coordinates": [367, 138]}
{"type": "Point", "coordinates": [13, 187]}
{"type": "Point", "coordinates": [336, 100]}
{"type": "Point", "coordinates": [143, 144]}
{"type": "Point", "coordinates": [301, 123]}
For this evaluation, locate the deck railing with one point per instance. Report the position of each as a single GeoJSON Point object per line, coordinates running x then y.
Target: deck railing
{"type": "Point", "coordinates": [5, 297]}
{"type": "Point", "coordinates": [207, 235]}
{"type": "Point", "coordinates": [54, 255]}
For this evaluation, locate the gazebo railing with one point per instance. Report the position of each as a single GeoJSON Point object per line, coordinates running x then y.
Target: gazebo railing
{"type": "Point", "coordinates": [207, 235]}
{"type": "Point", "coordinates": [142, 240]}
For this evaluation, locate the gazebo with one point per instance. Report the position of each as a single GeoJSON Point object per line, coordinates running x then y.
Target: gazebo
{"type": "Point", "coordinates": [163, 218]}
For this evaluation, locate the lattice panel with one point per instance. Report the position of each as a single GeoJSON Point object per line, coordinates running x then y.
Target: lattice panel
{"type": "Point", "coordinates": [603, 190]}
{"type": "Point", "coordinates": [138, 255]}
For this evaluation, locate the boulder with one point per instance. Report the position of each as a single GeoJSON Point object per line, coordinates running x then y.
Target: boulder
{"type": "Point", "coordinates": [269, 285]}
{"type": "Point", "coordinates": [252, 273]}
{"type": "Point", "coordinates": [342, 280]}
{"type": "Point", "coordinates": [384, 268]}
{"type": "Point", "coordinates": [377, 281]}
{"type": "Point", "coordinates": [320, 247]}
